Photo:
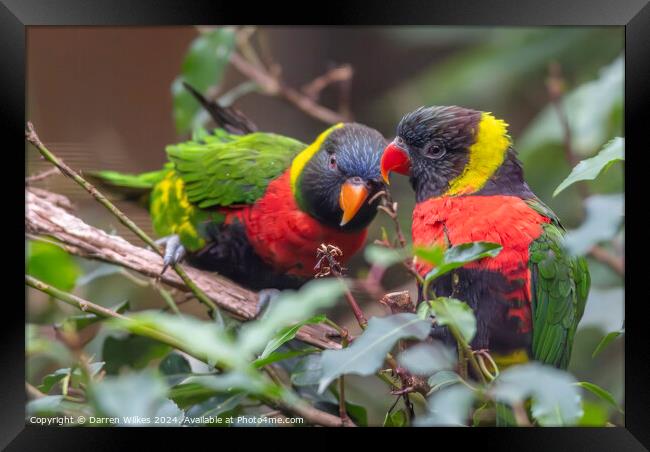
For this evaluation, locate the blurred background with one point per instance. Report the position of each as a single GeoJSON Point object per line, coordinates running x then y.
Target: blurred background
{"type": "Point", "coordinates": [107, 98]}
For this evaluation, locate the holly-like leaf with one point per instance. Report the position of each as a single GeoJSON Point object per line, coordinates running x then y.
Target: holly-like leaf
{"type": "Point", "coordinates": [199, 338]}
{"type": "Point", "coordinates": [606, 340]}
{"type": "Point", "coordinates": [288, 309]}
{"type": "Point", "coordinates": [442, 379]}
{"type": "Point", "coordinates": [455, 314]}
{"type": "Point", "coordinates": [456, 256]}
{"type": "Point", "coordinates": [554, 393]}
{"type": "Point", "coordinates": [395, 419]}
{"type": "Point", "coordinates": [425, 359]}
{"type": "Point", "coordinates": [600, 393]}
{"type": "Point", "coordinates": [131, 351]}
{"type": "Point", "coordinates": [368, 351]}
{"type": "Point", "coordinates": [590, 168]}
{"type": "Point", "coordinates": [288, 333]}
{"type": "Point", "coordinates": [448, 407]}
{"type": "Point", "coordinates": [133, 396]}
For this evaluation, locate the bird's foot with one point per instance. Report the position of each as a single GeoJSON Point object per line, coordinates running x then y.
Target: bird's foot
{"type": "Point", "coordinates": [174, 251]}
{"type": "Point", "coordinates": [265, 297]}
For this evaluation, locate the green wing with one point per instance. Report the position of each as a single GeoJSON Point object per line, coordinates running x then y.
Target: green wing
{"type": "Point", "coordinates": [223, 169]}
{"type": "Point", "coordinates": [559, 287]}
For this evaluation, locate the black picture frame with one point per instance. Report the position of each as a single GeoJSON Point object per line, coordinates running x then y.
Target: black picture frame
{"type": "Point", "coordinates": [634, 15]}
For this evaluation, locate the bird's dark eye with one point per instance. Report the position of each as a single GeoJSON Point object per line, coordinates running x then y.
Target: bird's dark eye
{"type": "Point", "coordinates": [332, 162]}
{"type": "Point", "coordinates": [434, 151]}
{"type": "Point", "coordinates": [400, 142]}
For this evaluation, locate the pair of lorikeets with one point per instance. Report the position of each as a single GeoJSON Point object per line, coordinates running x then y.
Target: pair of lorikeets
{"type": "Point", "coordinates": [255, 206]}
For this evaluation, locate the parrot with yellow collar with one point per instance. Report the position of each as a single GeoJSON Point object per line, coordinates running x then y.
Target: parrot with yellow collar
{"type": "Point", "coordinates": [469, 186]}
{"type": "Point", "coordinates": [255, 206]}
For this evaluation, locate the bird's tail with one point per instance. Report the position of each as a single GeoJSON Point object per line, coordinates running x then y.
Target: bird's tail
{"type": "Point", "coordinates": [134, 187]}
{"type": "Point", "coordinates": [228, 118]}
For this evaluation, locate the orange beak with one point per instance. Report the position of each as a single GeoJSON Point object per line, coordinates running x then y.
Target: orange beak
{"type": "Point", "coordinates": [394, 159]}
{"type": "Point", "coordinates": [351, 199]}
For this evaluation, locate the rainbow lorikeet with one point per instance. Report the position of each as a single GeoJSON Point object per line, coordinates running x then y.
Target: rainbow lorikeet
{"type": "Point", "coordinates": [469, 186]}
{"type": "Point", "coordinates": [255, 206]}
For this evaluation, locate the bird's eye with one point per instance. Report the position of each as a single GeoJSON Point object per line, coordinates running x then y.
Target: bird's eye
{"type": "Point", "coordinates": [399, 141]}
{"type": "Point", "coordinates": [333, 162]}
{"type": "Point", "coordinates": [434, 151]}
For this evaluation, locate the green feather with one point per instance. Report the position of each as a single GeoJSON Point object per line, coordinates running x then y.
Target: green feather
{"type": "Point", "coordinates": [560, 283]}
{"type": "Point", "coordinates": [231, 169]}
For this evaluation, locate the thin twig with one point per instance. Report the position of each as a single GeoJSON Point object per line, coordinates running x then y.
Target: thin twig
{"type": "Point", "coordinates": [32, 137]}
{"type": "Point", "coordinates": [616, 263]}
{"type": "Point", "coordinates": [273, 86]}
{"type": "Point", "coordinates": [42, 175]}
{"type": "Point", "coordinates": [338, 74]}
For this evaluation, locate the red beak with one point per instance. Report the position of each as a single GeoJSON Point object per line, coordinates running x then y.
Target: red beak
{"type": "Point", "coordinates": [395, 159]}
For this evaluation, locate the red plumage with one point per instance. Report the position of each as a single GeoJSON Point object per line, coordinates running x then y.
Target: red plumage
{"type": "Point", "coordinates": [506, 220]}
{"type": "Point", "coordinates": [285, 237]}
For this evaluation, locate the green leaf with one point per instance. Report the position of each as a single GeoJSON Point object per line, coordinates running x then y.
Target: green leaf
{"type": "Point", "coordinates": [432, 254]}
{"type": "Point", "coordinates": [590, 168]}
{"type": "Point", "coordinates": [424, 311]}
{"type": "Point", "coordinates": [134, 395]}
{"type": "Point", "coordinates": [288, 333]}
{"type": "Point", "coordinates": [44, 406]}
{"type": "Point", "coordinates": [456, 314]}
{"type": "Point", "coordinates": [131, 351]}
{"type": "Point", "coordinates": [425, 359]}
{"type": "Point", "coordinates": [289, 308]}
{"type": "Point", "coordinates": [396, 419]}
{"type": "Point", "coordinates": [175, 367]}
{"type": "Point", "coordinates": [442, 379]}
{"type": "Point", "coordinates": [449, 407]}
{"type": "Point", "coordinates": [554, 393]}
{"type": "Point", "coordinates": [50, 380]}
{"type": "Point", "coordinates": [358, 414]}
{"type": "Point", "coordinates": [79, 322]}
{"type": "Point", "coordinates": [456, 256]}
{"type": "Point", "coordinates": [199, 338]}
{"type": "Point", "coordinates": [601, 393]}
{"type": "Point", "coordinates": [308, 371]}
{"type": "Point", "coordinates": [384, 257]}
{"type": "Point", "coordinates": [251, 382]}
{"type": "Point", "coordinates": [368, 351]}
{"type": "Point", "coordinates": [52, 265]}
{"type": "Point", "coordinates": [604, 218]}
{"type": "Point", "coordinates": [606, 340]}
{"type": "Point", "coordinates": [203, 66]}
{"type": "Point", "coordinates": [281, 356]}
{"type": "Point", "coordinates": [213, 409]}
{"type": "Point", "coordinates": [594, 415]}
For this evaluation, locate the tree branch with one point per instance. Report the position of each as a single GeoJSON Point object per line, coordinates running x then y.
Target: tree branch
{"type": "Point", "coordinates": [45, 217]}
{"type": "Point", "coordinates": [273, 86]}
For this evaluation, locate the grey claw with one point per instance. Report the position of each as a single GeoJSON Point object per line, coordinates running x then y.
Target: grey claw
{"type": "Point", "coordinates": [265, 297]}
{"type": "Point", "coordinates": [174, 251]}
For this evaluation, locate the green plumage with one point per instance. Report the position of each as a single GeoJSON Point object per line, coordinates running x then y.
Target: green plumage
{"type": "Point", "coordinates": [210, 171]}
{"type": "Point", "coordinates": [559, 287]}
{"type": "Point", "coordinates": [230, 169]}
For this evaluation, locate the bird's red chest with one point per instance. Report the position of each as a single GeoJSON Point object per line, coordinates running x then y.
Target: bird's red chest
{"type": "Point", "coordinates": [506, 220]}
{"type": "Point", "coordinates": [286, 237]}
